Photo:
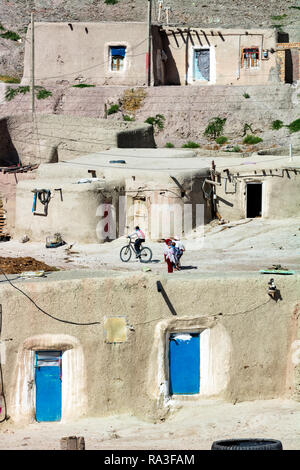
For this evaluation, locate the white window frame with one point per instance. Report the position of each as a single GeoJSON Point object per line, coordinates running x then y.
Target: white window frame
{"type": "Point", "coordinates": [110, 58]}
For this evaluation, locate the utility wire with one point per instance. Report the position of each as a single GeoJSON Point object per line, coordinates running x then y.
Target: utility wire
{"type": "Point", "coordinates": [6, 417]}
{"type": "Point", "coordinates": [43, 311]}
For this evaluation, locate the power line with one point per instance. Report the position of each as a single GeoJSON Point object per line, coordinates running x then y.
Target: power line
{"type": "Point", "coordinates": [43, 311]}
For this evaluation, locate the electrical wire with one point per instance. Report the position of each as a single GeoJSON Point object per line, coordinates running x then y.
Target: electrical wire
{"type": "Point", "coordinates": [43, 311]}
{"type": "Point", "coordinates": [214, 314]}
{"type": "Point", "coordinates": [2, 394]}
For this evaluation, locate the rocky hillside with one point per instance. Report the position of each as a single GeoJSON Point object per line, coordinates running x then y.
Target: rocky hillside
{"type": "Point", "coordinates": [284, 15]}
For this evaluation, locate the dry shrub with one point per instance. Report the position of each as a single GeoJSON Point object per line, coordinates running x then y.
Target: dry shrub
{"type": "Point", "coordinates": [132, 99]}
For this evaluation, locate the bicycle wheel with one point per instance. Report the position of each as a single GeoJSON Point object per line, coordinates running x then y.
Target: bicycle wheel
{"type": "Point", "coordinates": [145, 255]}
{"type": "Point", "coordinates": [125, 253]}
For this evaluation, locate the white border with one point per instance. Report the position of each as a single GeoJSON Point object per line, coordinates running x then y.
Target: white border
{"type": "Point", "coordinates": [107, 51]}
{"type": "Point", "coordinates": [212, 66]}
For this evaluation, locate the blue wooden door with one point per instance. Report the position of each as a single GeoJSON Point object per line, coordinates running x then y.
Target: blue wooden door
{"type": "Point", "coordinates": [202, 64]}
{"type": "Point", "coordinates": [184, 363]}
{"type": "Point", "coordinates": [48, 385]}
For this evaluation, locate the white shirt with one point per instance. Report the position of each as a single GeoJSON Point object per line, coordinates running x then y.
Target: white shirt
{"type": "Point", "coordinates": [179, 245]}
{"type": "Point", "coordinates": [137, 233]}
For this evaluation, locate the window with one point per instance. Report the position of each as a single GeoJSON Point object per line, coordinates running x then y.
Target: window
{"type": "Point", "coordinates": [250, 57]}
{"type": "Point", "coordinates": [202, 64]}
{"type": "Point", "coordinates": [117, 58]}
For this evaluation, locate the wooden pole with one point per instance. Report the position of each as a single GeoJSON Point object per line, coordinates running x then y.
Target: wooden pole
{"type": "Point", "coordinates": [187, 56]}
{"type": "Point", "coordinates": [149, 43]}
{"type": "Point", "coordinates": [32, 64]}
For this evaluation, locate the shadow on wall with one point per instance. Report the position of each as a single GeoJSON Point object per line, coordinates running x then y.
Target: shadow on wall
{"type": "Point", "coordinates": [171, 71]}
{"type": "Point", "coordinates": [289, 59]}
{"type": "Point", "coordinates": [8, 153]}
{"type": "Point", "coordinates": [288, 67]}
{"type": "Point", "coordinates": [140, 138]}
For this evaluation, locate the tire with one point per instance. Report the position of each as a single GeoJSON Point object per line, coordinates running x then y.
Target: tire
{"type": "Point", "coordinates": [125, 253]}
{"type": "Point", "coordinates": [145, 255]}
{"type": "Point", "coordinates": [247, 444]}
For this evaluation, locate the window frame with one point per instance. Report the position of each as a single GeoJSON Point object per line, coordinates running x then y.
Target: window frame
{"type": "Point", "coordinates": [123, 62]}
{"type": "Point", "coordinates": [246, 62]}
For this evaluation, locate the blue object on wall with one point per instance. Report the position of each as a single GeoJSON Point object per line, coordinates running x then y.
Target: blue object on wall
{"type": "Point", "coordinates": [184, 363]}
{"type": "Point", "coordinates": [118, 51]}
{"type": "Point", "coordinates": [34, 202]}
{"type": "Point", "coordinates": [202, 64]}
{"type": "Point", "coordinates": [48, 385]}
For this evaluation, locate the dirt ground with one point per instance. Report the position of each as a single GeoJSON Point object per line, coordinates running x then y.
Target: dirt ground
{"type": "Point", "coordinates": [19, 265]}
{"type": "Point", "coordinates": [191, 427]}
{"type": "Point", "coordinates": [245, 245]}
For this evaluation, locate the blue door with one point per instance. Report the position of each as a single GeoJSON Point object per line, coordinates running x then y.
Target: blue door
{"type": "Point", "coordinates": [48, 385]}
{"type": "Point", "coordinates": [184, 363]}
{"type": "Point", "coordinates": [201, 64]}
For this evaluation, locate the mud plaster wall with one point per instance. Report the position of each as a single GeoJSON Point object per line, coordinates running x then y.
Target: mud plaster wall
{"type": "Point", "coordinates": [76, 216]}
{"type": "Point", "coordinates": [75, 55]}
{"type": "Point", "coordinates": [51, 138]}
{"type": "Point", "coordinates": [280, 195]}
{"type": "Point", "coordinates": [8, 189]}
{"type": "Point", "coordinates": [79, 215]}
{"type": "Point", "coordinates": [259, 335]}
{"type": "Point", "coordinates": [226, 53]}
{"type": "Point", "coordinates": [165, 210]}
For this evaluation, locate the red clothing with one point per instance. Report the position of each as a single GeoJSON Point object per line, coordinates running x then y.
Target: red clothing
{"type": "Point", "coordinates": [170, 266]}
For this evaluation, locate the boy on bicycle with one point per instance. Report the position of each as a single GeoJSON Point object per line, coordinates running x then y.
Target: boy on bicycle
{"type": "Point", "coordinates": [140, 238]}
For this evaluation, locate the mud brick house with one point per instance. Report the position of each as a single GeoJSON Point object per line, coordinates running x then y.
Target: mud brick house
{"type": "Point", "coordinates": [117, 54]}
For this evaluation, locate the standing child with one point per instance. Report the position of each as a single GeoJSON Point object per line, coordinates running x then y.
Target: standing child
{"type": "Point", "coordinates": [180, 248]}
{"type": "Point", "coordinates": [168, 254]}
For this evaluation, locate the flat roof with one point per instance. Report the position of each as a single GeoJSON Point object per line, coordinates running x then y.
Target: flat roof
{"type": "Point", "coordinates": [161, 163]}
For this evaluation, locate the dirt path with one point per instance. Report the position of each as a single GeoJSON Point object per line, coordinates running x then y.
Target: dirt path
{"type": "Point", "coordinates": [192, 427]}
{"type": "Point", "coordinates": [239, 246]}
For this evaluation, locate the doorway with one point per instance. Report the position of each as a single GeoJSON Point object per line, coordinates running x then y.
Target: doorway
{"type": "Point", "coordinates": [202, 64]}
{"type": "Point", "coordinates": [48, 380]}
{"type": "Point", "coordinates": [184, 363]}
{"type": "Point", "coordinates": [140, 214]}
{"type": "Point", "coordinates": [253, 200]}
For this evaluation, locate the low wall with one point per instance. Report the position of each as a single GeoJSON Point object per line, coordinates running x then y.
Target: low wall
{"type": "Point", "coordinates": [49, 138]}
{"type": "Point", "coordinates": [247, 348]}
{"type": "Point", "coordinates": [187, 110]}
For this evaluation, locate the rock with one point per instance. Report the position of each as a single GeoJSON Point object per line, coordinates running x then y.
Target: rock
{"type": "Point", "coordinates": [25, 239]}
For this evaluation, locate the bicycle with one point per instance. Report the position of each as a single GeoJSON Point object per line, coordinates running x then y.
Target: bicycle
{"type": "Point", "coordinates": [145, 254]}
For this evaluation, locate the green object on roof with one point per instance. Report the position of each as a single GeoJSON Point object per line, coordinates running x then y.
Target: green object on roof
{"type": "Point", "coordinates": [276, 271]}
